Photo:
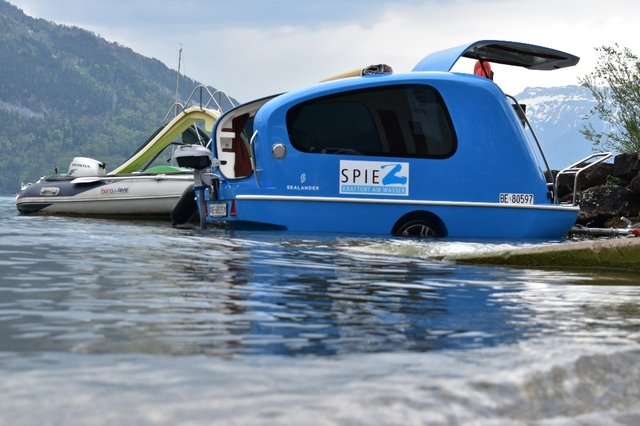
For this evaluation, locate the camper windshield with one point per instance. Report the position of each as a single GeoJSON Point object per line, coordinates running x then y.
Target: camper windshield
{"type": "Point", "coordinates": [403, 120]}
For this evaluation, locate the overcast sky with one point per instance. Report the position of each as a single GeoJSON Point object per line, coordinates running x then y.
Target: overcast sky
{"type": "Point", "coordinates": [254, 48]}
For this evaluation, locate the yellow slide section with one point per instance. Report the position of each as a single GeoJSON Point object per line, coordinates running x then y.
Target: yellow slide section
{"type": "Point", "coordinates": [168, 134]}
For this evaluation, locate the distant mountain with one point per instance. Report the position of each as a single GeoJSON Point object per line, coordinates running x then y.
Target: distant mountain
{"type": "Point", "coordinates": [557, 114]}
{"type": "Point", "coordinates": [65, 91]}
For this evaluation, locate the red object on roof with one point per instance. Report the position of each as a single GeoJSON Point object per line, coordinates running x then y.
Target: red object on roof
{"type": "Point", "coordinates": [483, 69]}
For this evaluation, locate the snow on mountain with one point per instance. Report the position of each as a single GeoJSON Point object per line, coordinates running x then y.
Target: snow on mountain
{"type": "Point", "coordinates": [557, 114]}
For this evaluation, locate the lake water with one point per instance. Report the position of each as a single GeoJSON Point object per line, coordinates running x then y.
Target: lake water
{"type": "Point", "coordinates": [138, 323]}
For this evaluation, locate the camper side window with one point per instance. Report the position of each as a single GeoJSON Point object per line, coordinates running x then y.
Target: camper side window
{"type": "Point", "coordinates": [396, 121]}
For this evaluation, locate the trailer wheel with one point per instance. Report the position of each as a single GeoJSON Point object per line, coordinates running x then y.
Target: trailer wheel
{"type": "Point", "coordinates": [420, 225]}
{"type": "Point", "coordinates": [417, 228]}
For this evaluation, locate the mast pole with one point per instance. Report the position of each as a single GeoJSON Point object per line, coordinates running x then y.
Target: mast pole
{"type": "Point", "coordinates": [178, 80]}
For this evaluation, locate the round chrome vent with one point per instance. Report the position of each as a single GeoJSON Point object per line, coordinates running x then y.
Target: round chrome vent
{"type": "Point", "coordinates": [279, 151]}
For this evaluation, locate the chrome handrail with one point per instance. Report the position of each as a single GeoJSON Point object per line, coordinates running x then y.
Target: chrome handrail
{"type": "Point", "coordinates": [201, 89]}
{"type": "Point", "coordinates": [577, 168]}
{"type": "Point", "coordinates": [252, 142]}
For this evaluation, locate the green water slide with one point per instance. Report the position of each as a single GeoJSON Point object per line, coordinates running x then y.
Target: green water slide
{"type": "Point", "coordinates": [167, 135]}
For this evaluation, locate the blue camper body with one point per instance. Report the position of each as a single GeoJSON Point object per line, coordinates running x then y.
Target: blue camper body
{"type": "Point", "coordinates": [423, 153]}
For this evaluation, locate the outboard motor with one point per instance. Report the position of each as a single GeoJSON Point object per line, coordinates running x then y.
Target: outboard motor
{"type": "Point", "coordinates": [195, 157]}
{"type": "Point", "coordinates": [83, 166]}
{"type": "Point", "coordinates": [193, 200]}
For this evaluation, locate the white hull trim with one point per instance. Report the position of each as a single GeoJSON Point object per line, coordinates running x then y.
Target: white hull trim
{"type": "Point", "coordinates": [405, 202]}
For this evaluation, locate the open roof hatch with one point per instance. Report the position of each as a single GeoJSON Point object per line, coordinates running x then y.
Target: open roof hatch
{"type": "Point", "coordinates": [501, 52]}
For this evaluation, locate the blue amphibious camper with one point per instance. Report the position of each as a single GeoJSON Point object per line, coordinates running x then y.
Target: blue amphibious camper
{"type": "Point", "coordinates": [424, 153]}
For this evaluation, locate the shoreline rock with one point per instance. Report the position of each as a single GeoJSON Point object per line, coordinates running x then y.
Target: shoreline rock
{"type": "Point", "coordinates": [607, 193]}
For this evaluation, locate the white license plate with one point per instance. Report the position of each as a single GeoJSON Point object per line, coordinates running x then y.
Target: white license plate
{"type": "Point", "coordinates": [507, 198]}
{"type": "Point", "coordinates": [217, 210]}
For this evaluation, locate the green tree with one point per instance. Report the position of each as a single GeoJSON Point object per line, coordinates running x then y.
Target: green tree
{"type": "Point", "coordinates": [615, 85]}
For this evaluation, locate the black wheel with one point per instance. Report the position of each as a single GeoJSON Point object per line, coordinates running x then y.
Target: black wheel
{"type": "Point", "coordinates": [185, 208]}
{"type": "Point", "coordinates": [418, 228]}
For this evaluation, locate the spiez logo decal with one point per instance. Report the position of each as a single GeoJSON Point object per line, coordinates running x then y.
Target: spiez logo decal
{"type": "Point", "coordinates": [374, 178]}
